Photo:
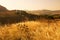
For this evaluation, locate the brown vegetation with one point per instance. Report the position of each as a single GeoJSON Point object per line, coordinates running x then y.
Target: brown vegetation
{"type": "Point", "coordinates": [31, 30]}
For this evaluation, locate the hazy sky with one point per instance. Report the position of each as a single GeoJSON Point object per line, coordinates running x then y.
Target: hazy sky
{"type": "Point", "coordinates": [31, 4]}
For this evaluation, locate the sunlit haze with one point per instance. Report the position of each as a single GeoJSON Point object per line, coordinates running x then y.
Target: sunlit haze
{"type": "Point", "coordinates": [31, 4]}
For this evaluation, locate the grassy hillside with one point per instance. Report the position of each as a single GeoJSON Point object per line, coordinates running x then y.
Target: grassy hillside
{"type": "Point", "coordinates": [29, 25]}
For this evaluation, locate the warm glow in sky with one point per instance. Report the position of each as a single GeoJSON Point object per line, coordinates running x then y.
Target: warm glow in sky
{"type": "Point", "coordinates": [31, 4]}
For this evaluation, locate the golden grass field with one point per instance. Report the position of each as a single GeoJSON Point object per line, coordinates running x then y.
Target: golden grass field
{"type": "Point", "coordinates": [31, 30]}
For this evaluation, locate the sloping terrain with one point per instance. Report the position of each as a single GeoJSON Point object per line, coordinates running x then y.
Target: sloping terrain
{"type": "Point", "coordinates": [29, 25]}
{"type": "Point", "coordinates": [15, 16]}
{"type": "Point", "coordinates": [3, 9]}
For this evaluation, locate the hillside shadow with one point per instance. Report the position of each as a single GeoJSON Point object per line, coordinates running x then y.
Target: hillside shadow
{"type": "Point", "coordinates": [16, 16]}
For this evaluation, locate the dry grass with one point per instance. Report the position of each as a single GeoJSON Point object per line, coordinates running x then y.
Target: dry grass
{"type": "Point", "coordinates": [32, 30]}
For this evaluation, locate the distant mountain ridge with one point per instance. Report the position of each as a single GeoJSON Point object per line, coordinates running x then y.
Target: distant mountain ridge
{"type": "Point", "coordinates": [14, 16]}
{"type": "Point", "coordinates": [42, 12]}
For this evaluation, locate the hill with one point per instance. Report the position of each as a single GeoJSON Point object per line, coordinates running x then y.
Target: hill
{"type": "Point", "coordinates": [2, 9]}
{"type": "Point", "coordinates": [15, 16]}
{"type": "Point", "coordinates": [29, 25]}
{"type": "Point", "coordinates": [42, 12]}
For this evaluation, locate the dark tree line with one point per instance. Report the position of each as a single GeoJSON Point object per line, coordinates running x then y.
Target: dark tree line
{"type": "Point", "coordinates": [21, 16]}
